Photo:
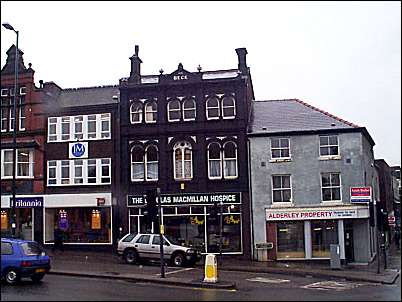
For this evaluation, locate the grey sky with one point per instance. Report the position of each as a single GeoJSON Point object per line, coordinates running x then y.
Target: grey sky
{"type": "Point", "coordinates": [343, 57]}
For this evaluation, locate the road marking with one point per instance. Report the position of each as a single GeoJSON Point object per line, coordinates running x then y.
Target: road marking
{"type": "Point", "coordinates": [332, 285]}
{"type": "Point", "coordinates": [267, 280]}
{"type": "Point", "coordinates": [178, 271]}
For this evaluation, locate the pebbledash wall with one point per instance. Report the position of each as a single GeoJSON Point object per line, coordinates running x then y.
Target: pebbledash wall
{"type": "Point", "coordinates": [293, 205]}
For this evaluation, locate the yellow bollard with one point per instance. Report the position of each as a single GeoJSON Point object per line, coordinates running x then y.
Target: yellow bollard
{"type": "Point", "coordinates": [211, 269]}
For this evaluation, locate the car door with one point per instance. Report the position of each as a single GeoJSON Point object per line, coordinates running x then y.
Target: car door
{"type": "Point", "coordinates": [143, 245]}
{"type": "Point", "coordinates": [156, 249]}
{"type": "Point", "coordinates": [7, 256]}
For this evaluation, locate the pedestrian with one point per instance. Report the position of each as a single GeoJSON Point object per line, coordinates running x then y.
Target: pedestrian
{"type": "Point", "coordinates": [58, 239]}
{"type": "Point", "coordinates": [397, 238]}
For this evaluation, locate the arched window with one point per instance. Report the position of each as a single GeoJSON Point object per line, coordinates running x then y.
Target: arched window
{"type": "Point", "coordinates": [136, 113]}
{"type": "Point", "coordinates": [212, 108]}
{"type": "Point", "coordinates": [214, 161]}
{"type": "Point", "coordinates": [189, 110]}
{"type": "Point", "coordinates": [151, 162]}
{"type": "Point", "coordinates": [150, 112]}
{"type": "Point", "coordinates": [174, 111]}
{"type": "Point", "coordinates": [183, 164]}
{"type": "Point", "coordinates": [228, 107]}
{"type": "Point", "coordinates": [230, 160]}
{"type": "Point", "coordinates": [137, 163]}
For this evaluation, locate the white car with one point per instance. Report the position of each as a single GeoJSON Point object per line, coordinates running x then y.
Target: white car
{"type": "Point", "coordinates": [136, 247]}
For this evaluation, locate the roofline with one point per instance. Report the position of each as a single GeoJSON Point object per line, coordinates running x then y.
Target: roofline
{"type": "Point", "coordinates": [363, 130]}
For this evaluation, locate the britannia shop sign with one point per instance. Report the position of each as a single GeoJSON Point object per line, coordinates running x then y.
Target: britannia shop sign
{"type": "Point", "coordinates": [191, 198]}
{"type": "Point", "coordinates": [310, 214]}
{"type": "Point", "coordinates": [28, 202]}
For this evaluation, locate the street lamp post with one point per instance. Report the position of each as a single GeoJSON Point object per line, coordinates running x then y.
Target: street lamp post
{"type": "Point", "coordinates": [13, 187]}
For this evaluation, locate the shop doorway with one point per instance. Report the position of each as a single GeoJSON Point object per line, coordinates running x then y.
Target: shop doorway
{"type": "Point", "coordinates": [349, 253]}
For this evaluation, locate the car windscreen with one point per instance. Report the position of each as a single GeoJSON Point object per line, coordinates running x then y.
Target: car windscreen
{"type": "Point", "coordinates": [31, 248]}
{"type": "Point", "coordinates": [172, 240]}
{"type": "Point", "coordinates": [129, 238]}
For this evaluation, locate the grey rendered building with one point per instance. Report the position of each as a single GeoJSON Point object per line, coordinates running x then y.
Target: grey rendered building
{"type": "Point", "coordinates": [303, 163]}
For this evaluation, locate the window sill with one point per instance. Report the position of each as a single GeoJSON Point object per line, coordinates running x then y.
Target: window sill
{"type": "Point", "coordinates": [280, 160]}
{"type": "Point", "coordinates": [282, 204]}
{"type": "Point", "coordinates": [330, 157]}
{"type": "Point", "coordinates": [332, 202]}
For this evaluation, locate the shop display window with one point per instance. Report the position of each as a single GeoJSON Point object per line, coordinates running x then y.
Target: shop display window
{"type": "Point", "coordinates": [79, 225]}
{"type": "Point", "coordinates": [290, 239]}
{"type": "Point", "coordinates": [23, 223]}
{"type": "Point", "coordinates": [323, 234]}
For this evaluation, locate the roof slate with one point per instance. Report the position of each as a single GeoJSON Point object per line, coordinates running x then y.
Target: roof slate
{"type": "Point", "coordinates": [287, 115]}
{"type": "Point", "coordinates": [87, 96]}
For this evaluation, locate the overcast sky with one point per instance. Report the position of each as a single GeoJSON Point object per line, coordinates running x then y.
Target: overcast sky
{"type": "Point", "coordinates": [342, 57]}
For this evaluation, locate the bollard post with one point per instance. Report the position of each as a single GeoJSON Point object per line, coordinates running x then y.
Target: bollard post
{"type": "Point", "coordinates": [211, 269]}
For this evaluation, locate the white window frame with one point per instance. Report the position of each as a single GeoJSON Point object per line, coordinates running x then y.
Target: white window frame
{"type": "Point", "coordinates": [56, 134]}
{"type": "Point", "coordinates": [329, 146]}
{"type": "Point", "coordinates": [280, 148]}
{"type": "Point", "coordinates": [71, 168]}
{"type": "Point", "coordinates": [150, 162]}
{"type": "Point", "coordinates": [193, 108]}
{"type": "Point", "coordinates": [230, 159]}
{"type": "Point", "coordinates": [23, 90]}
{"type": "Point", "coordinates": [331, 187]}
{"type": "Point", "coordinates": [208, 107]}
{"type": "Point", "coordinates": [174, 110]}
{"type": "Point", "coordinates": [4, 92]}
{"type": "Point", "coordinates": [100, 118]}
{"type": "Point", "coordinates": [182, 146]}
{"type": "Point", "coordinates": [4, 119]}
{"type": "Point", "coordinates": [220, 161]}
{"type": "Point", "coordinates": [30, 164]}
{"type": "Point", "coordinates": [137, 163]}
{"type": "Point", "coordinates": [231, 106]}
{"type": "Point", "coordinates": [11, 118]}
{"type": "Point", "coordinates": [86, 137]}
{"type": "Point", "coordinates": [139, 112]}
{"type": "Point", "coordinates": [76, 122]}
{"type": "Point", "coordinates": [151, 111]}
{"type": "Point", "coordinates": [21, 117]}
{"type": "Point", "coordinates": [8, 162]}
{"type": "Point", "coordinates": [282, 189]}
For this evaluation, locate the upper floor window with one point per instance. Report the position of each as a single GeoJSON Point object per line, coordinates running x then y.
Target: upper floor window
{"type": "Point", "coordinates": [136, 113]}
{"type": "Point", "coordinates": [329, 145]}
{"type": "Point", "coordinates": [150, 112]}
{"type": "Point", "coordinates": [79, 172]}
{"type": "Point", "coordinates": [25, 163]}
{"type": "Point", "coordinates": [331, 186]}
{"type": "Point", "coordinates": [228, 107]}
{"type": "Point", "coordinates": [7, 109]}
{"type": "Point", "coordinates": [280, 148]}
{"type": "Point", "coordinates": [144, 163]}
{"type": "Point", "coordinates": [80, 127]}
{"type": "Point", "coordinates": [174, 110]}
{"type": "Point", "coordinates": [213, 108]}
{"type": "Point", "coordinates": [222, 158]}
{"type": "Point", "coordinates": [189, 110]}
{"type": "Point", "coordinates": [281, 188]}
{"type": "Point", "coordinates": [183, 164]}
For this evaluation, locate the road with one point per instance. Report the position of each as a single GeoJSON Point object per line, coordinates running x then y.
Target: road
{"type": "Point", "coordinates": [251, 287]}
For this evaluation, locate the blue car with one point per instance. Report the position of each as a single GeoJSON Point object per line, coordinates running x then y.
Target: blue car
{"type": "Point", "coordinates": [22, 259]}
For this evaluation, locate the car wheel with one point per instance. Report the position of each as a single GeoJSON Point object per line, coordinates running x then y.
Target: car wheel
{"type": "Point", "coordinates": [178, 259]}
{"type": "Point", "coordinates": [130, 256]}
{"type": "Point", "coordinates": [12, 277]}
{"type": "Point", "coordinates": [37, 277]}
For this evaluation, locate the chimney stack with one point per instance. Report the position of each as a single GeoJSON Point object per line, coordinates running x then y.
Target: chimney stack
{"type": "Point", "coordinates": [241, 55]}
{"type": "Point", "coordinates": [135, 74]}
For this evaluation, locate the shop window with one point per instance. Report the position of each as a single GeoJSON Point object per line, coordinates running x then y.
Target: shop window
{"type": "Point", "coordinates": [281, 189]}
{"type": "Point", "coordinates": [331, 186]}
{"type": "Point", "coordinates": [183, 165]}
{"type": "Point", "coordinates": [23, 223]}
{"type": "Point", "coordinates": [150, 112]}
{"type": "Point", "coordinates": [329, 145]}
{"type": "Point", "coordinates": [136, 113]}
{"type": "Point", "coordinates": [212, 108]}
{"type": "Point", "coordinates": [280, 148]}
{"type": "Point", "coordinates": [189, 110]}
{"type": "Point", "coordinates": [188, 230]}
{"type": "Point", "coordinates": [228, 107]}
{"type": "Point", "coordinates": [290, 239]}
{"type": "Point", "coordinates": [323, 234]}
{"type": "Point", "coordinates": [79, 225]}
{"type": "Point", "coordinates": [174, 110]}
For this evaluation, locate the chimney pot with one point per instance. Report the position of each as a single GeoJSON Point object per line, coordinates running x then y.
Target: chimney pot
{"type": "Point", "coordinates": [241, 55]}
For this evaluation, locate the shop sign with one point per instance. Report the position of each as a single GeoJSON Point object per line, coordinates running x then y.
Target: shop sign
{"type": "Point", "coordinates": [391, 220]}
{"type": "Point", "coordinates": [310, 214]}
{"type": "Point", "coordinates": [190, 198]}
{"type": "Point", "coordinates": [78, 150]}
{"type": "Point", "coordinates": [360, 194]}
{"type": "Point", "coordinates": [28, 202]}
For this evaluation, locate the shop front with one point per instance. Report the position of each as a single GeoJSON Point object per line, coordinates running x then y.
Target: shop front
{"type": "Point", "coordinates": [25, 208]}
{"type": "Point", "coordinates": [307, 233]}
{"type": "Point", "coordinates": [82, 218]}
{"type": "Point", "coordinates": [194, 219]}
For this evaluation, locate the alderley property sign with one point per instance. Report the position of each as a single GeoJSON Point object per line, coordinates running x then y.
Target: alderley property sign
{"type": "Point", "coordinates": [190, 198]}
{"type": "Point", "coordinates": [360, 194]}
{"type": "Point", "coordinates": [311, 213]}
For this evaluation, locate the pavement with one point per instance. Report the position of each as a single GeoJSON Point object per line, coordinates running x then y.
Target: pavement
{"type": "Point", "coordinates": [109, 265]}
